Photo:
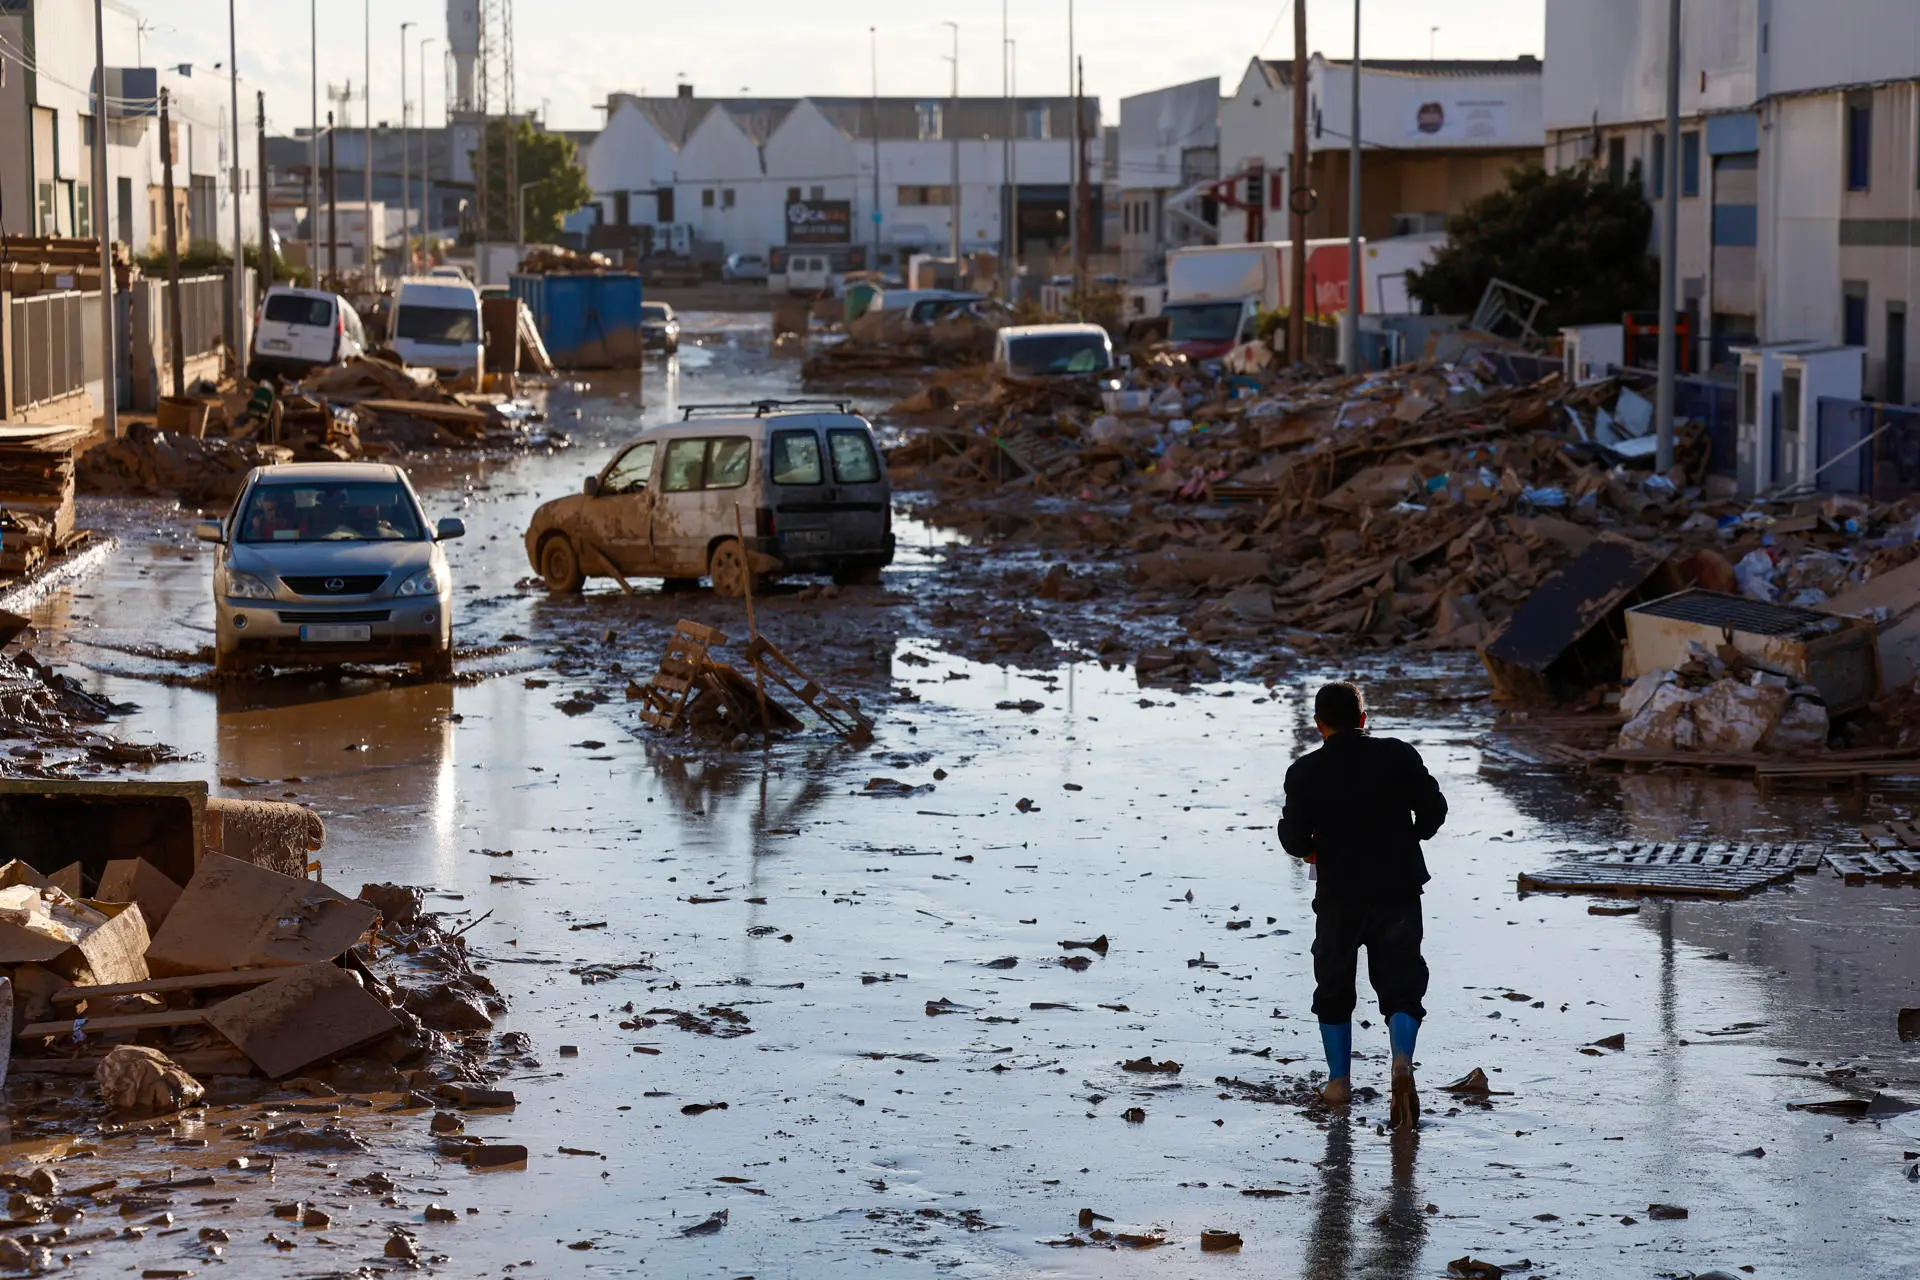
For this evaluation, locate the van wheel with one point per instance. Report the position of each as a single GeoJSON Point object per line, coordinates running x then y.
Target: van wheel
{"type": "Point", "coordinates": [727, 569]}
{"type": "Point", "coordinates": [865, 576]}
{"type": "Point", "coordinates": [560, 565]}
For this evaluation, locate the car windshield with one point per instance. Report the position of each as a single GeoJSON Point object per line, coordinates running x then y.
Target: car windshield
{"type": "Point", "coordinates": [1206, 322]}
{"type": "Point", "coordinates": [655, 311]}
{"type": "Point", "coordinates": [1052, 353]}
{"type": "Point", "coordinates": [446, 325]}
{"type": "Point", "coordinates": [331, 511]}
{"type": "Point", "coordinates": [294, 308]}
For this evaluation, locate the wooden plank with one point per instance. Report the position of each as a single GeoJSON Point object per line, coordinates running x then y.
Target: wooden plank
{"type": "Point", "coordinates": [120, 1022]}
{"type": "Point", "coordinates": [186, 982]}
{"type": "Point", "coordinates": [1590, 877]}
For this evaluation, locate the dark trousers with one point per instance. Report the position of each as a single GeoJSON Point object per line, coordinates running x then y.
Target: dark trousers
{"type": "Point", "coordinates": [1389, 928]}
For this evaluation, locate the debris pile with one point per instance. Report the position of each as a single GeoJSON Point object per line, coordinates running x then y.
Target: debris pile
{"type": "Point", "coordinates": [36, 495]}
{"type": "Point", "coordinates": [1725, 706]}
{"type": "Point", "coordinates": [197, 470]}
{"type": "Point", "coordinates": [956, 333]}
{"type": "Point", "coordinates": [718, 702]}
{"type": "Point", "coordinates": [47, 714]}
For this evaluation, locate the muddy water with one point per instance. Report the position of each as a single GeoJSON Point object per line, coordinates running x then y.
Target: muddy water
{"type": "Point", "coordinates": [868, 1136]}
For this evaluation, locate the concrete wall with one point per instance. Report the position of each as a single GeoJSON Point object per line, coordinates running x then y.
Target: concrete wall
{"type": "Point", "coordinates": [1608, 60]}
{"type": "Point", "coordinates": [1157, 128]}
{"type": "Point", "coordinates": [1818, 44]}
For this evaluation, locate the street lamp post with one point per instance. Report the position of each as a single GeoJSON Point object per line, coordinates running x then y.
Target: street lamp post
{"type": "Point", "coordinates": [953, 190]}
{"type": "Point", "coordinates": [109, 339]}
{"type": "Point", "coordinates": [366, 151]}
{"type": "Point", "coordinates": [238, 282]}
{"type": "Point", "coordinates": [1351, 323]}
{"type": "Point", "coordinates": [426, 182]}
{"type": "Point", "coordinates": [313, 138]}
{"type": "Point", "coordinates": [406, 184]}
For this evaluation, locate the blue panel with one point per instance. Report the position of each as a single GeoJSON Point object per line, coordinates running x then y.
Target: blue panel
{"type": "Point", "coordinates": [1729, 135]}
{"type": "Point", "coordinates": [1735, 225]}
{"type": "Point", "coordinates": [587, 321]}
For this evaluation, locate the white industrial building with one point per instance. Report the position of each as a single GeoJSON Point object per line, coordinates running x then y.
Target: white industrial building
{"type": "Point", "coordinates": [1435, 134]}
{"type": "Point", "coordinates": [1799, 187]}
{"type": "Point", "coordinates": [47, 132]}
{"type": "Point", "coordinates": [731, 170]}
{"type": "Point", "coordinates": [1169, 153]}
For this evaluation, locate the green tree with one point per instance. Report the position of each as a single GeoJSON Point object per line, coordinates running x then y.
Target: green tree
{"type": "Point", "coordinates": [1576, 239]}
{"type": "Point", "coordinates": [550, 162]}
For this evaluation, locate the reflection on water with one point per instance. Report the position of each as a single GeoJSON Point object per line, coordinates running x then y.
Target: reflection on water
{"type": "Point", "coordinates": [1387, 1245]}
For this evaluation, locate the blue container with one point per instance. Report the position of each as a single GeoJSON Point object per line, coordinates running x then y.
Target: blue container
{"type": "Point", "coordinates": [587, 322]}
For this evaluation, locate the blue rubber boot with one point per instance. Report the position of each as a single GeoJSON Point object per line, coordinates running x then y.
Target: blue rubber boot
{"type": "Point", "coordinates": [1403, 1029]}
{"type": "Point", "coordinates": [1337, 1039]}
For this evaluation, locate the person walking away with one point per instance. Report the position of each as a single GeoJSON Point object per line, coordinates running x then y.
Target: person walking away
{"type": "Point", "coordinates": [1357, 808]}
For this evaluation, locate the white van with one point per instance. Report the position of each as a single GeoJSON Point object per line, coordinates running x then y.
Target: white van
{"type": "Point", "coordinates": [300, 330]}
{"type": "Point", "coordinates": [1036, 352]}
{"type": "Point", "coordinates": [807, 487]}
{"type": "Point", "coordinates": [435, 324]}
{"type": "Point", "coordinates": [808, 274]}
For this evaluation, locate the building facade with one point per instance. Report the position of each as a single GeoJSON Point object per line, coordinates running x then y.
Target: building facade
{"type": "Point", "coordinates": [1799, 160]}
{"type": "Point", "coordinates": [1168, 155]}
{"type": "Point", "coordinates": [732, 171]}
{"type": "Point", "coordinates": [1435, 135]}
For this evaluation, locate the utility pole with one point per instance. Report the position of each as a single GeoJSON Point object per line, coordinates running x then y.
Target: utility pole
{"type": "Point", "coordinates": [1073, 179]}
{"type": "Point", "coordinates": [873, 40]}
{"type": "Point", "coordinates": [953, 194]}
{"type": "Point", "coordinates": [333, 211]}
{"type": "Point", "coordinates": [176, 356]}
{"type": "Point", "coordinates": [1006, 161]}
{"type": "Point", "coordinates": [369, 264]}
{"type": "Point", "coordinates": [1082, 186]}
{"type": "Point", "coordinates": [239, 281]}
{"type": "Point", "coordinates": [313, 141]}
{"type": "Point", "coordinates": [1355, 297]}
{"type": "Point", "coordinates": [109, 337]}
{"type": "Point", "coordinates": [1299, 193]}
{"type": "Point", "coordinates": [1669, 249]}
{"type": "Point", "coordinates": [425, 181]}
{"type": "Point", "coordinates": [406, 193]}
{"type": "Point", "coordinates": [266, 229]}
{"type": "Point", "coordinates": [1013, 201]}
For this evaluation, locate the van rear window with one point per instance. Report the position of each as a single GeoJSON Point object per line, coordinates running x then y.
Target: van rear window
{"type": "Point", "coordinates": [292, 308]}
{"type": "Point", "coordinates": [853, 460]}
{"type": "Point", "coordinates": [448, 326]}
{"type": "Point", "coordinates": [796, 458]}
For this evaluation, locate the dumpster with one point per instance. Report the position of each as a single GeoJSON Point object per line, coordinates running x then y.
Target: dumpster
{"type": "Point", "coordinates": [586, 321]}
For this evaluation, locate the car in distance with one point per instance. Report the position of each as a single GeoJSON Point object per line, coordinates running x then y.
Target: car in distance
{"type": "Point", "coordinates": [435, 324]}
{"type": "Point", "coordinates": [659, 328]}
{"type": "Point", "coordinates": [806, 488]}
{"type": "Point", "coordinates": [300, 330]}
{"type": "Point", "coordinates": [745, 266]}
{"type": "Point", "coordinates": [327, 563]}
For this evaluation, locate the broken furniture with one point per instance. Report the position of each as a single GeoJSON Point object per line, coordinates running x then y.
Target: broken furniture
{"type": "Point", "coordinates": [663, 700]}
{"type": "Point", "coordinates": [1567, 636]}
{"type": "Point", "coordinates": [1835, 655]}
{"type": "Point", "coordinates": [1685, 869]}
{"type": "Point", "coordinates": [688, 673]}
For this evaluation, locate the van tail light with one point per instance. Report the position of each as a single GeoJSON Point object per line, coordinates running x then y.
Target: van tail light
{"type": "Point", "coordinates": [763, 522]}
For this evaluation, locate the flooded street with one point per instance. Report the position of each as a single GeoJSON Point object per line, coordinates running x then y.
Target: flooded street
{"type": "Point", "coordinates": [916, 1074]}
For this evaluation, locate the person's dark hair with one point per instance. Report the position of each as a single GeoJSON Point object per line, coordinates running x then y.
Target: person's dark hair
{"type": "Point", "coordinates": [1339, 706]}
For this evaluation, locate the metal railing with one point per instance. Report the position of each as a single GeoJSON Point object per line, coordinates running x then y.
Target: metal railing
{"type": "Point", "coordinates": [1868, 449]}
{"type": "Point", "coordinates": [203, 304]}
{"type": "Point", "coordinates": [55, 346]}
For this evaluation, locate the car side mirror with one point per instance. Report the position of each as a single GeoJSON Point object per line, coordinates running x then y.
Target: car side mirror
{"type": "Point", "coordinates": [209, 531]}
{"type": "Point", "coordinates": [450, 527]}
{"type": "Point", "coordinates": [592, 487]}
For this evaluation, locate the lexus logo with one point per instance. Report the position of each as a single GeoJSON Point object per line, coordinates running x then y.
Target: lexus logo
{"type": "Point", "coordinates": [336, 584]}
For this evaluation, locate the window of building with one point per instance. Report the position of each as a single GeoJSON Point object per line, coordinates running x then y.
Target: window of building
{"type": "Point", "coordinates": [82, 210]}
{"type": "Point", "coordinates": [1656, 175]}
{"type": "Point", "coordinates": [706, 198]}
{"type": "Point", "coordinates": [1690, 162]}
{"type": "Point", "coordinates": [793, 194]}
{"type": "Point", "coordinates": [816, 193]}
{"type": "Point", "coordinates": [1853, 313]}
{"type": "Point", "coordinates": [1894, 387]}
{"type": "Point", "coordinates": [1859, 142]}
{"type": "Point", "coordinates": [663, 204]}
{"type": "Point", "coordinates": [726, 198]}
{"type": "Point", "coordinates": [929, 114]}
{"type": "Point", "coordinates": [926, 195]}
{"type": "Point", "coordinates": [86, 130]}
{"type": "Point", "coordinates": [1616, 160]}
{"type": "Point", "coordinates": [1036, 122]}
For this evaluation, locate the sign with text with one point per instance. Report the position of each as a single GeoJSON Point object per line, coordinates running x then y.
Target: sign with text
{"type": "Point", "coordinates": [1478, 119]}
{"type": "Point", "coordinates": [819, 221]}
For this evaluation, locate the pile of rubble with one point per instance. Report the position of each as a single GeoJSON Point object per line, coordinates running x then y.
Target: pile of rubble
{"type": "Point", "coordinates": [1729, 706]}
{"type": "Point", "coordinates": [151, 980]}
{"type": "Point", "coordinates": [890, 341]}
{"type": "Point", "coordinates": [48, 716]}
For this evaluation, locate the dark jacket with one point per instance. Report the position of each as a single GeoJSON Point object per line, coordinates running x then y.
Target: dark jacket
{"type": "Point", "coordinates": [1362, 805]}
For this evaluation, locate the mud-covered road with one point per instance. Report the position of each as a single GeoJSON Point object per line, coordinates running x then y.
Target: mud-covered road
{"type": "Point", "coordinates": [917, 1076]}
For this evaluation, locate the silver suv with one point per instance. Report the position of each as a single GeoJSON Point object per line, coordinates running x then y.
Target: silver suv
{"type": "Point", "coordinates": [325, 563]}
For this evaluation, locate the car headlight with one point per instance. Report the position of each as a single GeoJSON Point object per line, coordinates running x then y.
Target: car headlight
{"type": "Point", "coordinates": [244, 586]}
{"type": "Point", "coordinates": [423, 583]}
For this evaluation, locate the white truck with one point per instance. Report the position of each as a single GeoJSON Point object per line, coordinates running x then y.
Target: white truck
{"type": "Point", "coordinates": [1215, 291]}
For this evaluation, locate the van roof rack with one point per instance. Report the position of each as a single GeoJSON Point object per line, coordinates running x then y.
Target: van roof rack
{"type": "Point", "coordinates": [761, 408]}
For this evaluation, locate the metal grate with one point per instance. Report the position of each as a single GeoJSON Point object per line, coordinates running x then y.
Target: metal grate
{"type": "Point", "coordinates": [1714, 609]}
{"type": "Point", "coordinates": [335, 584]}
{"type": "Point", "coordinates": [322, 619]}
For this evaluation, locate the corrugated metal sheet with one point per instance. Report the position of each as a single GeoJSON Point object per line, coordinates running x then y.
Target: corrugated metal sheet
{"type": "Point", "coordinates": [586, 321]}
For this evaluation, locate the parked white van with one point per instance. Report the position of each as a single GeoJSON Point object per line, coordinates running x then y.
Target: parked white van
{"type": "Point", "coordinates": [303, 329]}
{"type": "Point", "coordinates": [435, 324]}
{"type": "Point", "coordinates": [808, 274]}
{"type": "Point", "coordinates": [807, 487]}
{"type": "Point", "coordinates": [1037, 352]}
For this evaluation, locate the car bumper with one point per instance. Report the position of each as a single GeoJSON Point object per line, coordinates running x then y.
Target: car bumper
{"type": "Point", "coordinates": [399, 629]}
{"type": "Point", "coordinates": [805, 560]}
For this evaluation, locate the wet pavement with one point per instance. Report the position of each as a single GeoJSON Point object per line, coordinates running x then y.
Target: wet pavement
{"type": "Point", "coordinates": [916, 1074]}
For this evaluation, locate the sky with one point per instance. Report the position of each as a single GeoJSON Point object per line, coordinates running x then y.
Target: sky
{"type": "Point", "coordinates": [570, 54]}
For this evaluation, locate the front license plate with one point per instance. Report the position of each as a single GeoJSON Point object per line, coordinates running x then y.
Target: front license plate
{"type": "Point", "coordinates": [336, 634]}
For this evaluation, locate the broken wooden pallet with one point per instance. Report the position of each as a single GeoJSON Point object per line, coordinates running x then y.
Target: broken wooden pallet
{"type": "Point", "coordinates": [663, 700]}
{"type": "Point", "coordinates": [1882, 864]}
{"type": "Point", "coordinates": [842, 715]}
{"type": "Point", "coordinates": [1535, 750]}
{"type": "Point", "coordinates": [1802, 859]}
{"type": "Point", "coordinates": [1664, 879]}
{"type": "Point", "coordinates": [1827, 772]}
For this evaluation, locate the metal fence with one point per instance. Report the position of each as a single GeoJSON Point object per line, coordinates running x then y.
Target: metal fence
{"type": "Point", "coordinates": [1713, 403]}
{"type": "Point", "coordinates": [55, 346]}
{"type": "Point", "coordinates": [203, 310]}
{"type": "Point", "coordinates": [1886, 466]}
